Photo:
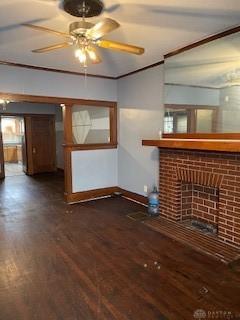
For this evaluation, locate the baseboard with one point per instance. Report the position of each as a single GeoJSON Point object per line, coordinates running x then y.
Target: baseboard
{"type": "Point", "coordinates": [133, 196]}
{"type": "Point", "coordinates": [103, 192]}
{"type": "Point", "coordinates": [91, 194]}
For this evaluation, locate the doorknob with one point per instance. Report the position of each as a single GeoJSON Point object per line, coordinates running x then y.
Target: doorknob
{"type": "Point", "coordinates": [34, 151]}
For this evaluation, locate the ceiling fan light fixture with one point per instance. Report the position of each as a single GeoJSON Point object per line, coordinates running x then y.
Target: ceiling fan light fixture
{"type": "Point", "coordinates": [79, 27]}
{"type": "Point", "coordinates": [4, 101]}
{"type": "Point", "coordinates": [86, 36]}
{"type": "Point", "coordinates": [81, 55]}
{"type": "Point", "coordinates": [92, 55]}
{"type": "Point", "coordinates": [4, 104]}
{"type": "Point", "coordinates": [233, 78]}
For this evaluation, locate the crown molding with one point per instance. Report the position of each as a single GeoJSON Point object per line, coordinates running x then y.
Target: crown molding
{"type": "Point", "coordinates": [190, 85]}
{"type": "Point", "coordinates": [203, 41]}
{"type": "Point", "coordinates": [141, 69]}
{"type": "Point", "coordinates": [168, 55]}
{"type": "Point", "coordinates": [28, 66]}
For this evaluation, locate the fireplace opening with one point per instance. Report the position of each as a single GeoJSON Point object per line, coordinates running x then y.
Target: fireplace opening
{"type": "Point", "coordinates": [200, 208]}
{"type": "Point", "coordinates": [203, 227]}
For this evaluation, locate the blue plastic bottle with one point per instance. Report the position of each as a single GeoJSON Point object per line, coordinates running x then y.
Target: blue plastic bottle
{"type": "Point", "coordinates": [153, 202]}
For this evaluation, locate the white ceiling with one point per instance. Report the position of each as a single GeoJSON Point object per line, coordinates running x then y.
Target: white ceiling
{"type": "Point", "coordinates": [158, 25]}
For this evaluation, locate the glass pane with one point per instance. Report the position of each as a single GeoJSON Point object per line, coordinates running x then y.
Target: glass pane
{"type": "Point", "coordinates": [181, 123]}
{"type": "Point", "coordinates": [90, 124]}
{"type": "Point", "coordinates": [12, 130]}
{"type": "Point", "coordinates": [204, 120]}
{"type": "Point", "coordinates": [168, 123]}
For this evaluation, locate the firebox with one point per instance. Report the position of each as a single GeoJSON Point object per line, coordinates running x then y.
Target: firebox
{"type": "Point", "coordinates": [200, 207]}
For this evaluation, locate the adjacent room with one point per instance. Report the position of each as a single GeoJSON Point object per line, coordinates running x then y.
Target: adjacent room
{"type": "Point", "coordinates": [119, 159]}
{"type": "Point", "coordinates": [12, 136]}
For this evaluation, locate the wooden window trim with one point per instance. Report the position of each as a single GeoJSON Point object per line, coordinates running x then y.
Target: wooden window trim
{"type": "Point", "coordinates": [192, 119]}
{"type": "Point", "coordinates": [67, 122]}
{"type": "Point", "coordinates": [67, 116]}
{"type": "Point", "coordinates": [92, 146]}
{"type": "Point", "coordinates": [191, 107]}
{"type": "Point", "coordinates": [55, 100]}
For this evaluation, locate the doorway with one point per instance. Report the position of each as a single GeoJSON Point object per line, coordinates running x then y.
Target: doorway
{"type": "Point", "coordinates": [30, 142]}
{"type": "Point", "coordinates": [13, 132]}
{"type": "Point", "coordinates": [40, 144]}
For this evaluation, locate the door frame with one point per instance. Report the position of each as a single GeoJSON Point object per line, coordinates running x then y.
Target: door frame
{"type": "Point", "coordinates": [67, 104]}
{"type": "Point", "coordinates": [28, 136]}
{"type": "Point", "coordinates": [27, 118]}
{"type": "Point", "coordinates": [2, 173]}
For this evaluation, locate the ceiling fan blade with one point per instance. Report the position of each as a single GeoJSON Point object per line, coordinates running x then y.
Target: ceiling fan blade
{"type": "Point", "coordinates": [54, 47]}
{"type": "Point", "coordinates": [58, 33]}
{"type": "Point", "coordinates": [112, 8]}
{"type": "Point", "coordinates": [93, 55]}
{"type": "Point", "coordinates": [102, 28]}
{"type": "Point", "coordinates": [108, 44]}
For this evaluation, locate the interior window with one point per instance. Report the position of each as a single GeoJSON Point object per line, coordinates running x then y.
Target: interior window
{"type": "Point", "coordinates": [91, 125]}
{"type": "Point", "coordinates": [175, 122]}
{"type": "Point", "coordinates": [189, 119]}
{"type": "Point", "coordinates": [168, 123]}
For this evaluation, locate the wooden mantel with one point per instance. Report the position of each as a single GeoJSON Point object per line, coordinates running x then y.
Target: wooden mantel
{"type": "Point", "coordinates": [214, 142]}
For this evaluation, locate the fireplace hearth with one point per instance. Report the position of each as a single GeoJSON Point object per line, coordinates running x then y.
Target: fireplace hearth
{"type": "Point", "coordinates": [202, 190]}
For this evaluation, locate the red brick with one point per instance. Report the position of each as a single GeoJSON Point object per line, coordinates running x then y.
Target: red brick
{"type": "Point", "coordinates": [201, 168]}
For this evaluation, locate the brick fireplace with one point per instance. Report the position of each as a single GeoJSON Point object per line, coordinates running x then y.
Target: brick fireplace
{"type": "Point", "coordinates": [204, 186]}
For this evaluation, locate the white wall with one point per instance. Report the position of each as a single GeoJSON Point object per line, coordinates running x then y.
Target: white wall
{"type": "Point", "coordinates": [35, 82]}
{"type": "Point", "coordinates": [45, 83]}
{"type": "Point", "coordinates": [175, 94]}
{"type": "Point", "coordinates": [94, 169]}
{"type": "Point", "coordinates": [140, 103]}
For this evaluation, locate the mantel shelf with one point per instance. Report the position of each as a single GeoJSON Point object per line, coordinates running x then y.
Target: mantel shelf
{"type": "Point", "coordinates": [196, 144]}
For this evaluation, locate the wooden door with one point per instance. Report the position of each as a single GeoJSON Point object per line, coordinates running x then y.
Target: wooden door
{"type": "Point", "coordinates": [41, 144]}
{"type": "Point", "coordinates": [2, 172]}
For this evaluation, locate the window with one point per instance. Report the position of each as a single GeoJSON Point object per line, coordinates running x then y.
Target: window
{"type": "Point", "coordinates": [12, 129]}
{"type": "Point", "coordinates": [168, 124]}
{"type": "Point", "coordinates": [186, 119]}
{"type": "Point", "coordinates": [93, 125]}
{"type": "Point", "coordinates": [175, 122]}
{"type": "Point", "coordinates": [181, 123]}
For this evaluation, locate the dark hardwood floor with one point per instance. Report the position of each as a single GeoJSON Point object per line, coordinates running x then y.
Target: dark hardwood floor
{"type": "Point", "coordinates": [86, 262]}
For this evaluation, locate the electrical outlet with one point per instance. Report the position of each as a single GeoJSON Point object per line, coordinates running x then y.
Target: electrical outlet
{"type": "Point", "coordinates": [145, 189]}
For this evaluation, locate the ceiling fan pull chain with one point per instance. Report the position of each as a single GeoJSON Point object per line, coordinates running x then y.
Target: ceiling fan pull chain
{"type": "Point", "coordinates": [84, 10]}
{"type": "Point", "coordinates": [85, 78]}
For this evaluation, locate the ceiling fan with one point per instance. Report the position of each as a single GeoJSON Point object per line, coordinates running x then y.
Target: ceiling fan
{"type": "Point", "coordinates": [86, 36]}
{"type": "Point", "coordinates": [73, 6]}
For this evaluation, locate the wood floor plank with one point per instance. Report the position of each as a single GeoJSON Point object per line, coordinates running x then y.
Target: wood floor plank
{"type": "Point", "coordinates": [204, 243]}
{"type": "Point", "coordinates": [89, 261]}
